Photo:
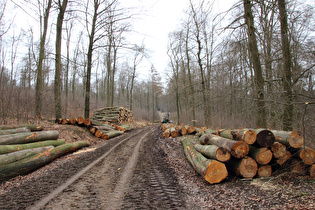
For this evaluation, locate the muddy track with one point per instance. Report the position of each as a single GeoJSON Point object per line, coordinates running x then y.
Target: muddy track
{"type": "Point", "coordinates": [128, 172]}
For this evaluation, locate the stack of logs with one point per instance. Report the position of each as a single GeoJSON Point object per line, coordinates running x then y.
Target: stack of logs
{"type": "Point", "coordinates": [246, 153]}
{"type": "Point", "coordinates": [25, 148]}
{"type": "Point", "coordinates": [100, 130]}
{"type": "Point", "coordinates": [117, 115]}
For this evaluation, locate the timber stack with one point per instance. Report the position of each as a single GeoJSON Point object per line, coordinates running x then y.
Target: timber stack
{"type": "Point", "coordinates": [25, 148]}
{"type": "Point", "coordinates": [117, 115]}
{"type": "Point", "coordinates": [246, 153]}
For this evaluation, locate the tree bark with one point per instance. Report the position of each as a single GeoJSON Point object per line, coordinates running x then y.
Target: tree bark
{"type": "Point", "coordinates": [246, 135]}
{"type": "Point", "coordinates": [289, 138]}
{"type": "Point", "coordinates": [111, 134]}
{"type": "Point", "coordinates": [36, 161]}
{"type": "Point", "coordinates": [4, 149]}
{"type": "Point", "coordinates": [18, 155]}
{"type": "Point", "coordinates": [211, 170]}
{"type": "Point", "coordinates": [287, 68]}
{"type": "Point", "coordinates": [213, 152]}
{"type": "Point", "coordinates": [22, 138]}
{"type": "Point", "coordinates": [254, 54]}
{"type": "Point", "coordinates": [238, 149]}
{"type": "Point", "coordinates": [32, 127]}
{"type": "Point", "coordinates": [16, 130]}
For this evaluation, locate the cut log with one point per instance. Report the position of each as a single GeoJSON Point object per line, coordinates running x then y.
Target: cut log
{"type": "Point", "coordinates": [72, 121]}
{"type": "Point", "coordinates": [174, 132]}
{"type": "Point", "coordinates": [261, 155]}
{"type": "Point", "coordinates": [183, 131]}
{"type": "Point", "coordinates": [32, 127]}
{"type": "Point", "coordinates": [245, 167]}
{"type": "Point", "coordinates": [191, 129]}
{"type": "Point", "coordinates": [213, 152]}
{"type": "Point", "coordinates": [104, 127]}
{"type": "Point", "coordinates": [16, 130]}
{"type": "Point", "coordinates": [126, 127]}
{"type": "Point", "coordinates": [36, 161]}
{"type": "Point", "coordinates": [265, 138]}
{"type": "Point", "coordinates": [80, 121]}
{"type": "Point", "coordinates": [264, 171]}
{"type": "Point", "coordinates": [284, 158]}
{"type": "Point", "coordinates": [289, 138]}
{"type": "Point", "coordinates": [111, 134]}
{"type": "Point", "coordinates": [211, 170]}
{"type": "Point", "coordinates": [87, 122]}
{"type": "Point", "coordinates": [246, 135]}
{"type": "Point", "coordinates": [238, 149]}
{"type": "Point", "coordinates": [297, 166]}
{"type": "Point", "coordinates": [4, 149]}
{"type": "Point", "coordinates": [166, 133]}
{"type": "Point", "coordinates": [65, 121]}
{"type": "Point", "coordinates": [98, 133]}
{"type": "Point", "coordinates": [278, 149]}
{"type": "Point", "coordinates": [307, 155]}
{"type": "Point", "coordinates": [18, 155]}
{"type": "Point", "coordinates": [93, 130]}
{"type": "Point", "coordinates": [28, 137]}
{"type": "Point", "coordinates": [312, 171]}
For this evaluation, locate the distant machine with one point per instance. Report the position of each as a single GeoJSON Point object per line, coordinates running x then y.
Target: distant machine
{"type": "Point", "coordinates": [166, 119]}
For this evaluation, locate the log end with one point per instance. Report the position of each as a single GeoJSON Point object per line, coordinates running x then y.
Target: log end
{"type": "Point", "coordinates": [278, 149]}
{"type": "Point", "coordinates": [308, 156]}
{"type": "Point", "coordinates": [264, 156]}
{"type": "Point", "coordinates": [248, 167]}
{"type": "Point", "coordinates": [240, 149]}
{"type": "Point", "coordinates": [249, 136]}
{"type": "Point", "coordinates": [216, 172]}
{"type": "Point", "coordinates": [265, 171]}
{"type": "Point", "coordinates": [284, 158]}
{"type": "Point", "coordinates": [265, 138]}
{"type": "Point", "coordinates": [312, 171]}
{"type": "Point", "coordinates": [295, 140]}
{"type": "Point", "coordinates": [223, 154]}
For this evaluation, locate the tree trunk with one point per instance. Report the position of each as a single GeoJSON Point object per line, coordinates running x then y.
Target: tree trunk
{"type": "Point", "coordinates": [36, 161]}
{"type": "Point", "coordinates": [211, 170]}
{"type": "Point", "coordinates": [278, 149]}
{"type": "Point", "coordinates": [167, 133]}
{"type": "Point", "coordinates": [39, 76]}
{"type": "Point", "coordinates": [264, 171]}
{"type": "Point", "coordinates": [245, 167]}
{"type": "Point", "coordinates": [246, 135]}
{"type": "Point", "coordinates": [18, 155]}
{"type": "Point", "coordinates": [254, 54]}
{"type": "Point", "coordinates": [32, 127]}
{"type": "Point", "coordinates": [4, 149]}
{"type": "Point", "coordinates": [261, 155]}
{"type": "Point", "coordinates": [238, 149]}
{"type": "Point", "coordinates": [16, 130]}
{"type": "Point", "coordinates": [174, 132]}
{"type": "Point", "coordinates": [111, 134]}
{"type": "Point", "coordinates": [307, 155]}
{"type": "Point", "coordinates": [22, 138]}
{"type": "Point", "coordinates": [289, 138]}
{"type": "Point", "coordinates": [286, 71]}
{"type": "Point", "coordinates": [264, 138]}
{"type": "Point", "coordinates": [58, 63]}
{"type": "Point", "coordinates": [213, 152]}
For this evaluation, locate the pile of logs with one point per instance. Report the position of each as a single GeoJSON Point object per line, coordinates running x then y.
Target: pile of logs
{"type": "Point", "coordinates": [26, 148]}
{"type": "Point", "coordinates": [117, 115]}
{"type": "Point", "coordinates": [99, 129]}
{"type": "Point", "coordinates": [245, 152]}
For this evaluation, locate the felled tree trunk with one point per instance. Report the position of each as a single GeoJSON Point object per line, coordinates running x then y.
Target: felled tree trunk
{"type": "Point", "coordinates": [213, 152]}
{"type": "Point", "coordinates": [245, 167]}
{"type": "Point", "coordinates": [72, 121]}
{"type": "Point", "coordinates": [289, 138]}
{"type": "Point", "coordinates": [307, 155]}
{"type": "Point", "coordinates": [278, 149]}
{"type": "Point", "coordinates": [174, 132]}
{"type": "Point", "coordinates": [28, 137]}
{"type": "Point", "coordinates": [36, 161]}
{"type": "Point", "coordinates": [211, 170]}
{"type": "Point", "coordinates": [246, 135]}
{"type": "Point", "coordinates": [32, 127]}
{"type": "Point", "coordinates": [284, 158]}
{"type": "Point", "coordinates": [4, 149]}
{"type": "Point", "coordinates": [166, 133]}
{"type": "Point", "coordinates": [261, 155]}
{"type": "Point", "coordinates": [16, 130]}
{"type": "Point", "coordinates": [80, 121]}
{"type": "Point", "coordinates": [238, 149]}
{"type": "Point", "coordinates": [18, 155]}
{"type": "Point", "coordinates": [111, 134]}
{"type": "Point", "coordinates": [265, 138]}
{"type": "Point", "coordinates": [264, 171]}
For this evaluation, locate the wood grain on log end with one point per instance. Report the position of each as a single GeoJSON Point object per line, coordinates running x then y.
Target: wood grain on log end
{"type": "Point", "coordinates": [265, 138]}
{"type": "Point", "coordinates": [223, 154]}
{"type": "Point", "coordinates": [216, 172]}
{"type": "Point", "coordinates": [240, 149]}
{"type": "Point", "coordinates": [247, 168]}
{"type": "Point", "coordinates": [249, 136]}
{"type": "Point", "coordinates": [284, 158]}
{"type": "Point", "coordinates": [295, 140]}
{"type": "Point", "coordinates": [278, 149]}
{"type": "Point", "coordinates": [307, 155]}
{"type": "Point", "coordinates": [264, 171]}
{"type": "Point", "coordinates": [264, 156]}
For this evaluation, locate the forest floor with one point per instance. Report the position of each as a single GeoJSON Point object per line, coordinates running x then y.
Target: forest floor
{"type": "Point", "coordinates": [157, 177]}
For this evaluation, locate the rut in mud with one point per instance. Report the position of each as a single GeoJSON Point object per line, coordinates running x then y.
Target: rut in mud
{"type": "Point", "coordinates": [133, 175]}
